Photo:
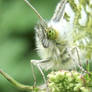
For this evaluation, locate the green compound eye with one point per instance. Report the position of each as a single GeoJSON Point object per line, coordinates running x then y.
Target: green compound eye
{"type": "Point", "coordinates": [51, 34]}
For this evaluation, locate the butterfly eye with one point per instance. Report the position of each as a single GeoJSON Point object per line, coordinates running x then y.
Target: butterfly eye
{"type": "Point", "coordinates": [51, 34]}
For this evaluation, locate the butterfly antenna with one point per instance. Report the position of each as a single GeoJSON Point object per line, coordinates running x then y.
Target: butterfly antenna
{"type": "Point", "coordinates": [29, 4]}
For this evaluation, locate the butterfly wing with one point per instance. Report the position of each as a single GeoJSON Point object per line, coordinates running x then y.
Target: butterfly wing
{"type": "Point", "coordinates": [59, 11]}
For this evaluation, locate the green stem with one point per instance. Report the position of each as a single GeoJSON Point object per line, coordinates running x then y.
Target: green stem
{"type": "Point", "coordinates": [15, 83]}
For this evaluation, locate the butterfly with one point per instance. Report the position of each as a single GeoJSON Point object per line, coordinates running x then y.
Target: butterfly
{"type": "Point", "coordinates": [56, 42]}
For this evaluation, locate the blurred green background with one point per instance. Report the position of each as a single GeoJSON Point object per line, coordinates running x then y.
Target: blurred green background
{"type": "Point", "coordinates": [17, 39]}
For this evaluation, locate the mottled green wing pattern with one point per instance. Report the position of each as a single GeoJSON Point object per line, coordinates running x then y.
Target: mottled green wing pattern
{"type": "Point", "coordinates": [82, 34]}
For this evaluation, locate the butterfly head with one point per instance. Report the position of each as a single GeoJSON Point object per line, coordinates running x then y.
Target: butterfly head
{"type": "Point", "coordinates": [45, 32]}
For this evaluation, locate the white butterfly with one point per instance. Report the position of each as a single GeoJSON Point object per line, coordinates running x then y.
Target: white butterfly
{"type": "Point", "coordinates": [54, 40]}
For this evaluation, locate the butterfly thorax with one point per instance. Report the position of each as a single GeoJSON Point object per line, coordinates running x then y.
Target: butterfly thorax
{"type": "Point", "coordinates": [51, 45]}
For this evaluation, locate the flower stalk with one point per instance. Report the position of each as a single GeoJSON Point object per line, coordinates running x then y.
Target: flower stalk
{"type": "Point", "coordinates": [15, 83]}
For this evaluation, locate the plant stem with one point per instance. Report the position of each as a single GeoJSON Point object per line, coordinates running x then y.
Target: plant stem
{"type": "Point", "coordinates": [15, 83]}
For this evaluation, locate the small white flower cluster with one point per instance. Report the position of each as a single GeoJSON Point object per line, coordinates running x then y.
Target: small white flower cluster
{"type": "Point", "coordinates": [65, 81]}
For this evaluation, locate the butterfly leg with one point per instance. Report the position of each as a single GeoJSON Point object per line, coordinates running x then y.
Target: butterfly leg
{"type": "Point", "coordinates": [74, 61]}
{"type": "Point", "coordinates": [33, 73]}
{"type": "Point", "coordinates": [78, 59]}
{"type": "Point", "coordinates": [79, 62]}
{"type": "Point", "coordinates": [37, 63]}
